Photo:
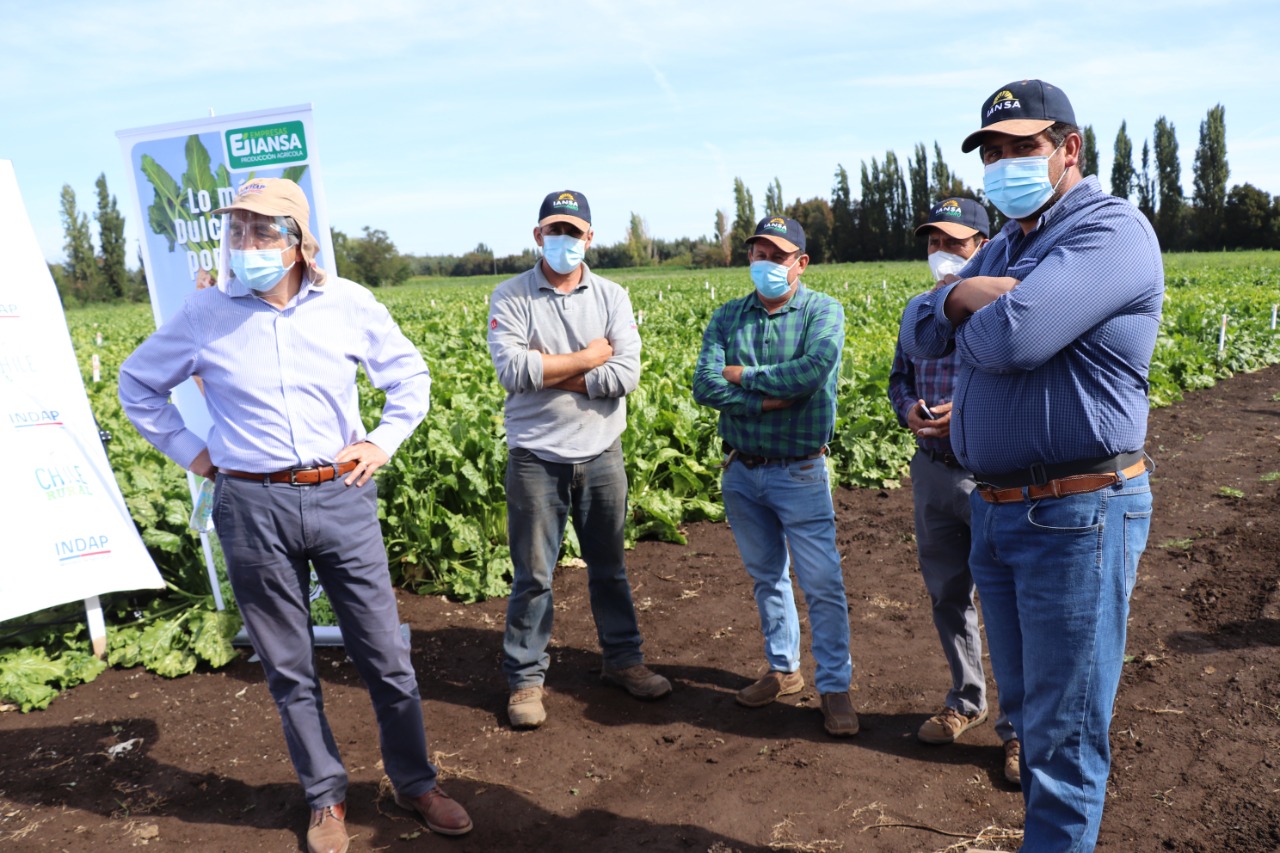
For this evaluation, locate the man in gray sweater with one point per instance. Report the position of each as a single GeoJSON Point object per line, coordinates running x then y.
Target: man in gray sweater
{"type": "Point", "coordinates": [565, 346]}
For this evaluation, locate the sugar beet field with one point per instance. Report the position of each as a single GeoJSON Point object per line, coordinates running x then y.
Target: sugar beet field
{"type": "Point", "coordinates": [442, 495]}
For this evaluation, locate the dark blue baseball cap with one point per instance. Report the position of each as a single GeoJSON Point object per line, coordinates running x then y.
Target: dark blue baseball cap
{"type": "Point", "coordinates": [1021, 109]}
{"type": "Point", "coordinates": [567, 206]}
{"type": "Point", "coordinates": [784, 233]}
{"type": "Point", "coordinates": [958, 217]}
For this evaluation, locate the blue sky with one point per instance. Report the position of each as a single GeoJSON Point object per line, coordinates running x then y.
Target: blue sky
{"type": "Point", "coordinates": [444, 124]}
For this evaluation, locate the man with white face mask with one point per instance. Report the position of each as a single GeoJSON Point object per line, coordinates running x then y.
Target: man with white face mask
{"type": "Point", "coordinates": [277, 343]}
{"type": "Point", "coordinates": [1055, 322]}
{"type": "Point", "coordinates": [564, 343]}
{"type": "Point", "coordinates": [921, 391]}
{"type": "Point", "coordinates": [769, 364]}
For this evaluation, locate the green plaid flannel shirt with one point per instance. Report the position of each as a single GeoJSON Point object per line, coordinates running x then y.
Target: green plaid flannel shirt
{"type": "Point", "coordinates": [793, 355]}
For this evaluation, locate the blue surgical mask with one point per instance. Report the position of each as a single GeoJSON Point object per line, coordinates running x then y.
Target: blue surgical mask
{"type": "Point", "coordinates": [771, 279]}
{"type": "Point", "coordinates": [259, 269]}
{"type": "Point", "coordinates": [563, 252]}
{"type": "Point", "coordinates": [1019, 186]}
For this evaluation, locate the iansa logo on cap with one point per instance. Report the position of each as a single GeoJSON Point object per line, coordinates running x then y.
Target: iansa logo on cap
{"type": "Point", "coordinates": [950, 207]}
{"type": "Point", "coordinates": [777, 224]}
{"type": "Point", "coordinates": [566, 200]}
{"type": "Point", "coordinates": [1004, 100]}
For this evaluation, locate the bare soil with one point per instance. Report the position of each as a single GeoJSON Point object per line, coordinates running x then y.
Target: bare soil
{"type": "Point", "coordinates": [1196, 734]}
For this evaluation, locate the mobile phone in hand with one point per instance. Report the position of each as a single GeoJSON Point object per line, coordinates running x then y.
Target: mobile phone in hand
{"type": "Point", "coordinates": [927, 412]}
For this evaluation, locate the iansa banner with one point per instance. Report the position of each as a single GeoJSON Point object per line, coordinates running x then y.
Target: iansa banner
{"type": "Point", "coordinates": [66, 533]}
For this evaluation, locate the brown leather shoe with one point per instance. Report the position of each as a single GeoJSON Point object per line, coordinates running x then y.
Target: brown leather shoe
{"type": "Point", "coordinates": [438, 810]}
{"type": "Point", "coordinates": [1012, 761]}
{"type": "Point", "coordinates": [838, 716]}
{"type": "Point", "coordinates": [328, 830]}
{"type": "Point", "coordinates": [640, 681]}
{"type": "Point", "coordinates": [769, 687]}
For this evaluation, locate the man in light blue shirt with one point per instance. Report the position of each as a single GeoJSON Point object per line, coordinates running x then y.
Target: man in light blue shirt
{"type": "Point", "coordinates": [1055, 322]}
{"type": "Point", "coordinates": [277, 344]}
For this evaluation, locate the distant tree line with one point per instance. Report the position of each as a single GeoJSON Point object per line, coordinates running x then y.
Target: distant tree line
{"type": "Point", "coordinates": [877, 224]}
{"type": "Point", "coordinates": [101, 274]}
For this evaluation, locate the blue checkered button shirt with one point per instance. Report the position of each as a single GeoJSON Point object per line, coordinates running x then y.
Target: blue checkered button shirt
{"type": "Point", "coordinates": [930, 379]}
{"type": "Point", "coordinates": [1054, 371]}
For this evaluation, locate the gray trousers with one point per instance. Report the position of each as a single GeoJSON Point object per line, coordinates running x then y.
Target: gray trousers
{"type": "Point", "coordinates": [941, 496]}
{"type": "Point", "coordinates": [271, 536]}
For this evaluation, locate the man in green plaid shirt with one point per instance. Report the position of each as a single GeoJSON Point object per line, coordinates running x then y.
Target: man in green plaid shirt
{"type": "Point", "coordinates": [769, 364]}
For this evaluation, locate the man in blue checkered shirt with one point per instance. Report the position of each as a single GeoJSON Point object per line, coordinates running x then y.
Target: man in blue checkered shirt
{"type": "Point", "coordinates": [1055, 322]}
{"type": "Point", "coordinates": [769, 364]}
{"type": "Point", "coordinates": [920, 390]}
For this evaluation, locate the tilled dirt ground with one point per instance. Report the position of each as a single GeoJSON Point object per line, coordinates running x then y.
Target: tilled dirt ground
{"type": "Point", "coordinates": [1196, 734]}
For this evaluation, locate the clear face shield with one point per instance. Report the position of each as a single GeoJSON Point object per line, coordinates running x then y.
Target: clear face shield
{"type": "Point", "coordinates": [253, 242]}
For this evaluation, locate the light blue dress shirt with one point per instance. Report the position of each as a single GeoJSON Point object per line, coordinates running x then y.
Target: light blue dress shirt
{"type": "Point", "coordinates": [280, 384]}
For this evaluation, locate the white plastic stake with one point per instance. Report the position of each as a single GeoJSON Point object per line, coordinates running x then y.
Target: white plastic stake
{"type": "Point", "coordinates": [99, 338]}
{"type": "Point", "coordinates": [97, 368]}
{"type": "Point", "coordinates": [1273, 317]}
{"type": "Point", "coordinates": [868, 300]}
{"type": "Point", "coordinates": [1222, 335]}
{"type": "Point", "coordinates": [659, 295]}
{"type": "Point", "coordinates": [97, 625]}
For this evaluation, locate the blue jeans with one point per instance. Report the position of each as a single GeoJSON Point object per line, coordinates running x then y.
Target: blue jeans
{"type": "Point", "coordinates": [1055, 577]}
{"type": "Point", "coordinates": [783, 507]}
{"type": "Point", "coordinates": [271, 536]}
{"type": "Point", "coordinates": [541, 497]}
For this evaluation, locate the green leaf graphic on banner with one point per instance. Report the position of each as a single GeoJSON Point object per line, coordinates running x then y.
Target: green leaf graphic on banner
{"type": "Point", "coordinates": [199, 174]}
{"type": "Point", "coordinates": [167, 205]}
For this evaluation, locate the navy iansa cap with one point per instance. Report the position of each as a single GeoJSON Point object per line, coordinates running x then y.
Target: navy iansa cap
{"type": "Point", "coordinates": [1021, 109]}
{"type": "Point", "coordinates": [958, 217]}
{"type": "Point", "coordinates": [568, 206]}
{"type": "Point", "coordinates": [783, 233]}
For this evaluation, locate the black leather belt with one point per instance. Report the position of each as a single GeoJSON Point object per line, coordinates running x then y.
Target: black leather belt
{"type": "Point", "coordinates": [946, 457]}
{"type": "Point", "coordinates": [752, 461]}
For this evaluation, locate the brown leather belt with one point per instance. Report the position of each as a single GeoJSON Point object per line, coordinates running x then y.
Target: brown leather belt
{"type": "Point", "coordinates": [1078, 484]}
{"type": "Point", "coordinates": [297, 476]}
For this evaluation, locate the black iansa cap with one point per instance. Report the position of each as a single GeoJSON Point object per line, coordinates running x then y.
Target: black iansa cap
{"type": "Point", "coordinates": [568, 206]}
{"type": "Point", "coordinates": [784, 233]}
{"type": "Point", "coordinates": [958, 217]}
{"type": "Point", "coordinates": [1021, 109]}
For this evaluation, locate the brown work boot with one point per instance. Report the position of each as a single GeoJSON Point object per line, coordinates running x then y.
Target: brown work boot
{"type": "Point", "coordinates": [328, 830]}
{"type": "Point", "coordinates": [524, 707]}
{"type": "Point", "coordinates": [838, 716]}
{"type": "Point", "coordinates": [770, 687]}
{"type": "Point", "coordinates": [948, 724]}
{"type": "Point", "coordinates": [1013, 761]}
{"type": "Point", "coordinates": [438, 810]}
{"type": "Point", "coordinates": [640, 681]}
